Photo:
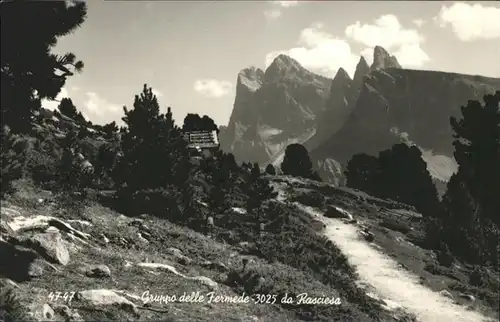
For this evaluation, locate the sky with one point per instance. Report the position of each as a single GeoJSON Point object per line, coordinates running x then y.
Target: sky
{"type": "Point", "coordinates": [190, 53]}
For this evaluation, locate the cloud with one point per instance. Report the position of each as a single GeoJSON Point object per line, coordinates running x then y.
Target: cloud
{"type": "Point", "coordinates": [275, 13]}
{"type": "Point", "coordinates": [368, 54]}
{"type": "Point", "coordinates": [320, 52]}
{"type": "Point", "coordinates": [52, 105]}
{"type": "Point", "coordinates": [94, 107]}
{"type": "Point", "coordinates": [419, 22]}
{"type": "Point", "coordinates": [99, 110]}
{"type": "Point", "coordinates": [386, 31]}
{"type": "Point", "coordinates": [212, 87]}
{"type": "Point", "coordinates": [470, 22]}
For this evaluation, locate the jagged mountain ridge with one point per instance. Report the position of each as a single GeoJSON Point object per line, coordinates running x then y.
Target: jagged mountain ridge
{"type": "Point", "coordinates": [381, 105]}
{"type": "Point", "coordinates": [410, 105]}
{"type": "Point", "coordinates": [283, 105]}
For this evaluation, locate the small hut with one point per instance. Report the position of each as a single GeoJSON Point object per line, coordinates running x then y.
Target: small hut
{"type": "Point", "coordinates": [202, 143]}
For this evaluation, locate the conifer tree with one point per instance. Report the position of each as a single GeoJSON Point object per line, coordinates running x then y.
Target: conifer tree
{"type": "Point", "coordinates": [154, 153]}
{"type": "Point", "coordinates": [477, 151]}
{"type": "Point", "coordinates": [106, 160]}
{"type": "Point", "coordinates": [29, 71]}
{"type": "Point", "coordinates": [110, 129]}
{"type": "Point", "coordinates": [67, 108]}
{"type": "Point", "coordinates": [69, 170]}
{"type": "Point", "coordinates": [11, 166]}
{"type": "Point", "coordinates": [399, 173]}
{"type": "Point", "coordinates": [255, 171]}
{"type": "Point", "coordinates": [472, 218]}
{"type": "Point", "coordinates": [270, 169]}
{"type": "Point", "coordinates": [362, 172]}
{"type": "Point", "coordinates": [258, 190]}
{"type": "Point", "coordinates": [193, 122]}
{"type": "Point", "coordinates": [297, 162]}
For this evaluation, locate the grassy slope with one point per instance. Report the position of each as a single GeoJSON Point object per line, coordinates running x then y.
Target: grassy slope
{"type": "Point", "coordinates": [285, 268]}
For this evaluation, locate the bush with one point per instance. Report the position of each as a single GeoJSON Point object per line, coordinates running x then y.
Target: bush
{"type": "Point", "coordinates": [444, 256]}
{"type": "Point", "coordinates": [476, 277]}
{"type": "Point", "coordinates": [160, 202]}
{"type": "Point", "coordinates": [396, 225]}
{"type": "Point", "coordinates": [311, 198]}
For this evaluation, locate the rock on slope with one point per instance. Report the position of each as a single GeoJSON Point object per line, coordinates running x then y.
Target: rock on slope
{"type": "Point", "coordinates": [278, 107]}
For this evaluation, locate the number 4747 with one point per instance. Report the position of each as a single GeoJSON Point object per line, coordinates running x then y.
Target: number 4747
{"type": "Point", "coordinates": [60, 296]}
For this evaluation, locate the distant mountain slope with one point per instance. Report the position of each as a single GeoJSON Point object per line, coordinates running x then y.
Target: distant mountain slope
{"type": "Point", "coordinates": [277, 107]}
{"type": "Point", "coordinates": [336, 118]}
{"type": "Point", "coordinates": [414, 105]}
{"type": "Point", "coordinates": [288, 104]}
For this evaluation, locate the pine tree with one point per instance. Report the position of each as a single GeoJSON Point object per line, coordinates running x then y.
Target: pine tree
{"type": "Point", "coordinates": [29, 71]}
{"type": "Point", "coordinates": [405, 178]}
{"type": "Point", "coordinates": [193, 122]}
{"type": "Point", "coordinates": [67, 108]}
{"type": "Point", "coordinates": [154, 153]}
{"type": "Point", "coordinates": [106, 160]}
{"type": "Point", "coordinates": [297, 162]}
{"type": "Point", "coordinates": [270, 169]}
{"type": "Point", "coordinates": [362, 171]}
{"type": "Point", "coordinates": [11, 167]}
{"type": "Point", "coordinates": [110, 129]}
{"type": "Point", "coordinates": [477, 151]}
{"type": "Point", "coordinates": [472, 219]}
{"type": "Point", "coordinates": [190, 212]}
{"type": "Point", "coordinates": [399, 173]}
{"type": "Point", "coordinates": [255, 171]}
{"type": "Point", "coordinates": [69, 170]}
{"type": "Point", "coordinates": [258, 190]}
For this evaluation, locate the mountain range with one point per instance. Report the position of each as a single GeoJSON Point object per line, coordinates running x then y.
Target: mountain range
{"type": "Point", "coordinates": [334, 119]}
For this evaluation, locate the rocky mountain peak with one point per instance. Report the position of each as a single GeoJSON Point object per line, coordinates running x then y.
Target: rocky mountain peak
{"type": "Point", "coordinates": [382, 59]}
{"type": "Point", "coordinates": [362, 69]}
{"type": "Point", "coordinates": [251, 78]}
{"type": "Point", "coordinates": [341, 76]}
{"type": "Point", "coordinates": [284, 66]}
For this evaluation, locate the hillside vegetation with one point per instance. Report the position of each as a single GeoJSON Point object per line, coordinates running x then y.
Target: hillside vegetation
{"type": "Point", "coordinates": [94, 216]}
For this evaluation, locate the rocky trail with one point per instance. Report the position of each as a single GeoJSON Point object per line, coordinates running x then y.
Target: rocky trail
{"type": "Point", "coordinates": [388, 281]}
{"type": "Point", "coordinates": [382, 277]}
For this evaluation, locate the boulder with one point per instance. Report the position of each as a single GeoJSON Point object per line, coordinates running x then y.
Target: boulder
{"type": "Point", "coordinates": [368, 236]}
{"type": "Point", "coordinates": [7, 283]}
{"type": "Point", "coordinates": [105, 297]}
{"type": "Point", "coordinates": [51, 246]}
{"type": "Point", "coordinates": [335, 212]}
{"type": "Point", "coordinates": [98, 271]}
{"type": "Point", "coordinates": [206, 281]}
{"type": "Point", "coordinates": [446, 293]}
{"type": "Point", "coordinates": [317, 225]}
{"type": "Point", "coordinates": [214, 265]}
{"type": "Point", "coordinates": [141, 238]}
{"type": "Point", "coordinates": [181, 258]}
{"type": "Point", "coordinates": [41, 312]}
{"type": "Point", "coordinates": [467, 297]}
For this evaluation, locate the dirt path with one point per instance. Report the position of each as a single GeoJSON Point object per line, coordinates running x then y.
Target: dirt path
{"type": "Point", "coordinates": [396, 286]}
